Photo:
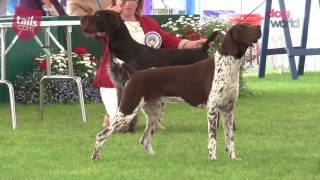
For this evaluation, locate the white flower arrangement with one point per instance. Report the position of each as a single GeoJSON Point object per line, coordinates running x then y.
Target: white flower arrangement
{"type": "Point", "coordinates": [84, 64]}
{"type": "Point", "coordinates": [192, 27]}
{"type": "Point", "coordinates": [184, 27]}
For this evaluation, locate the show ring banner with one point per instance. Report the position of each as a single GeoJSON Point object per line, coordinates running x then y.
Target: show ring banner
{"type": "Point", "coordinates": [26, 23]}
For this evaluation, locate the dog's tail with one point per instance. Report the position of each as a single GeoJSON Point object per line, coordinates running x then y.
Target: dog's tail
{"type": "Point", "coordinates": [211, 38]}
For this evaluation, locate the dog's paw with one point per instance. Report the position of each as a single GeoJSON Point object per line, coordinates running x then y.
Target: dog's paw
{"type": "Point", "coordinates": [236, 159]}
{"type": "Point", "coordinates": [148, 149]}
{"type": "Point", "coordinates": [212, 158]}
{"type": "Point", "coordinates": [95, 156]}
{"type": "Point", "coordinates": [161, 126]}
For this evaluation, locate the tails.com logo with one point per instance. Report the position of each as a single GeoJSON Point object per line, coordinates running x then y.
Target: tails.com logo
{"type": "Point", "coordinates": [26, 22]}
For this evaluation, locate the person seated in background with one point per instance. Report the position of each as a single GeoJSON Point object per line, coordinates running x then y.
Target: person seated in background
{"type": "Point", "coordinates": [52, 6]}
{"type": "Point", "coordinates": [85, 7]}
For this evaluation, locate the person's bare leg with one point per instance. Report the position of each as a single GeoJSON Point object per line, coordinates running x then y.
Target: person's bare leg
{"type": "Point", "coordinates": [106, 121]}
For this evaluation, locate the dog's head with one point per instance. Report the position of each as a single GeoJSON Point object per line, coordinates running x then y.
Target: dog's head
{"type": "Point", "coordinates": [103, 21]}
{"type": "Point", "coordinates": [238, 38]}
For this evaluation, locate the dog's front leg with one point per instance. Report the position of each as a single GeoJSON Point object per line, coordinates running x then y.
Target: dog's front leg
{"type": "Point", "coordinates": [229, 133]}
{"type": "Point", "coordinates": [213, 116]}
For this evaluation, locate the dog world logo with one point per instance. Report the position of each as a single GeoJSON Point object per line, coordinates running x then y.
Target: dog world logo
{"type": "Point", "coordinates": [26, 22]}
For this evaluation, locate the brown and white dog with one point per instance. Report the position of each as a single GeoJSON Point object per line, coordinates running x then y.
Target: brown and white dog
{"type": "Point", "coordinates": [216, 78]}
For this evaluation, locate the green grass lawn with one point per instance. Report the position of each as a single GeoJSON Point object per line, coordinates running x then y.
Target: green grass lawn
{"type": "Point", "coordinates": [277, 137]}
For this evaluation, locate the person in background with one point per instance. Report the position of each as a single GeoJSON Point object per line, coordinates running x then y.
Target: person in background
{"type": "Point", "coordinates": [52, 6]}
{"type": "Point", "coordinates": [138, 26]}
{"type": "Point", "coordinates": [3, 7]}
{"type": "Point", "coordinates": [85, 7]}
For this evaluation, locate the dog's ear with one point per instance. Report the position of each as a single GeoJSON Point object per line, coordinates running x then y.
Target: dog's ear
{"type": "Point", "coordinates": [111, 22]}
{"type": "Point", "coordinates": [228, 46]}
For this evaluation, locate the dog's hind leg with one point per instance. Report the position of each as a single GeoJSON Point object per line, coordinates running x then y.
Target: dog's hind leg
{"type": "Point", "coordinates": [100, 139]}
{"type": "Point", "coordinates": [154, 112]}
{"type": "Point", "coordinates": [213, 117]}
{"type": "Point", "coordinates": [228, 117]}
{"type": "Point", "coordinates": [119, 122]}
{"type": "Point", "coordinates": [131, 127]}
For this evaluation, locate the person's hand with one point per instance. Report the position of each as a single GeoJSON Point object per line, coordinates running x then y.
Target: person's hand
{"type": "Point", "coordinates": [195, 44]}
{"type": "Point", "coordinates": [115, 8]}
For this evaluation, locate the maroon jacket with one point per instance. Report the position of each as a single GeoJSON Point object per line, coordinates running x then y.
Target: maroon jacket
{"type": "Point", "coordinates": [102, 78]}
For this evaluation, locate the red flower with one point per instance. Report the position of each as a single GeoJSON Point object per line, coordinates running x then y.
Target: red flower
{"type": "Point", "coordinates": [43, 65]}
{"type": "Point", "coordinates": [80, 51]}
{"type": "Point", "coordinates": [93, 59]}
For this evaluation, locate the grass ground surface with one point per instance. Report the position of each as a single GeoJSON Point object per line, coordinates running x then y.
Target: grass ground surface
{"type": "Point", "coordinates": [277, 137]}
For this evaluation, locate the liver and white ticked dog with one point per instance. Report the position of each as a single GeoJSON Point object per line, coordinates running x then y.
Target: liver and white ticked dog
{"type": "Point", "coordinates": [213, 83]}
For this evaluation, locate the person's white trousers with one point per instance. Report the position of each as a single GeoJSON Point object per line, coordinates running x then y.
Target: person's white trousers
{"type": "Point", "coordinates": [110, 100]}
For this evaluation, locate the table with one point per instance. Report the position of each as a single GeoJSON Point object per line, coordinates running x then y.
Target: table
{"type": "Point", "coordinates": [47, 22]}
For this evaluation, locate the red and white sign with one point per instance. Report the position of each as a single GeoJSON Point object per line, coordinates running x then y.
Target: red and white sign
{"type": "Point", "coordinates": [26, 22]}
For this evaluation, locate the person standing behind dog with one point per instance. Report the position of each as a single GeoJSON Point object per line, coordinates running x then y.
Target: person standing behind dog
{"type": "Point", "coordinates": [138, 26]}
{"type": "Point", "coordinates": [85, 7]}
{"type": "Point", "coordinates": [105, 84]}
